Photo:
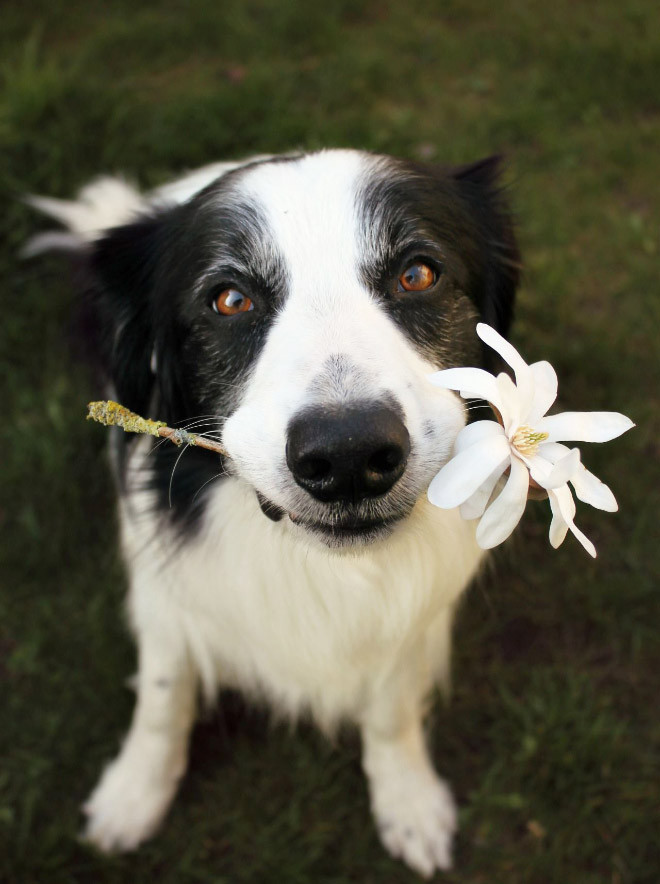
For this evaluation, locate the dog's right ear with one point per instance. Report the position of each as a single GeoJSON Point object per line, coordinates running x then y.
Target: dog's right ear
{"type": "Point", "coordinates": [125, 265]}
{"type": "Point", "coordinates": [480, 186]}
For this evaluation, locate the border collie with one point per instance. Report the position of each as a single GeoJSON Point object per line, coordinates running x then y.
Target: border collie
{"type": "Point", "coordinates": [292, 307]}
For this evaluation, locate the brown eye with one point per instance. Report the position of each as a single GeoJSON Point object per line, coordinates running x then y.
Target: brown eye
{"type": "Point", "coordinates": [417, 278]}
{"type": "Point", "coordinates": [230, 301]}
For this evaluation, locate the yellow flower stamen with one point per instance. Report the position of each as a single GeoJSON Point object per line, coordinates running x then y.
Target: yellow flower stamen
{"type": "Point", "coordinates": [526, 440]}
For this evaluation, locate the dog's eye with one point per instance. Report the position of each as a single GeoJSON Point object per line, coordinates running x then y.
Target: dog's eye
{"type": "Point", "coordinates": [230, 302]}
{"type": "Point", "coordinates": [418, 277]}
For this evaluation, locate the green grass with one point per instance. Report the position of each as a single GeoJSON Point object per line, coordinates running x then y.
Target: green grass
{"type": "Point", "coordinates": [552, 741]}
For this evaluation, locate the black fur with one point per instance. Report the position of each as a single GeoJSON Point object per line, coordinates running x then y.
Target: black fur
{"type": "Point", "coordinates": [154, 284]}
{"type": "Point", "coordinates": [458, 222]}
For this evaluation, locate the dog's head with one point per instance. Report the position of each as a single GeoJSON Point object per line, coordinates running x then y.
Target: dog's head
{"type": "Point", "coordinates": [299, 304]}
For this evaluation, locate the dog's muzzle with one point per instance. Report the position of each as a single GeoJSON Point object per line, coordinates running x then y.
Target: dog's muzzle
{"type": "Point", "coordinates": [347, 454]}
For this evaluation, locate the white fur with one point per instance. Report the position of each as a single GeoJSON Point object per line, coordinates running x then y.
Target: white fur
{"type": "Point", "coordinates": [103, 203]}
{"type": "Point", "coordinates": [357, 637]}
{"type": "Point", "coordinates": [360, 635]}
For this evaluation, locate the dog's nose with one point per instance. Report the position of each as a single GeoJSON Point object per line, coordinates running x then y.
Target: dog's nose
{"type": "Point", "coordinates": [347, 453]}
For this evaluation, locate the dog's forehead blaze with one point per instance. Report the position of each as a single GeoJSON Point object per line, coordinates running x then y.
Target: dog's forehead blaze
{"type": "Point", "coordinates": [313, 212]}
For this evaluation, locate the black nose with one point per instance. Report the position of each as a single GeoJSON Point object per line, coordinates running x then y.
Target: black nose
{"type": "Point", "coordinates": [347, 453]}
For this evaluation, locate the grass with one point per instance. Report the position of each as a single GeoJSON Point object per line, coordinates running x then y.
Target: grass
{"type": "Point", "coordinates": [552, 740]}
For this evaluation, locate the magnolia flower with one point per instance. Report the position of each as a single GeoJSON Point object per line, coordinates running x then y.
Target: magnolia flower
{"type": "Point", "coordinates": [527, 443]}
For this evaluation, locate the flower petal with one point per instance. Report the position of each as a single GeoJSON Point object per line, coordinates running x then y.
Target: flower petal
{"type": "Point", "coordinates": [473, 383]}
{"type": "Point", "coordinates": [524, 377]}
{"type": "Point", "coordinates": [558, 526]}
{"type": "Point", "coordinates": [545, 390]}
{"type": "Point", "coordinates": [476, 432]}
{"type": "Point", "coordinates": [564, 469]}
{"type": "Point", "coordinates": [506, 510]}
{"type": "Point", "coordinates": [461, 477]}
{"type": "Point", "coordinates": [584, 426]}
{"type": "Point", "coordinates": [589, 489]}
{"type": "Point", "coordinates": [584, 540]}
{"type": "Point", "coordinates": [511, 407]}
{"type": "Point", "coordinates": [566, 504]}
{"type": "Point", "coordinates": [553, 451]}
{"type": "Point", "coordinates": [539, 468]}
{"type": "Point", "coordinates": [474, 506]}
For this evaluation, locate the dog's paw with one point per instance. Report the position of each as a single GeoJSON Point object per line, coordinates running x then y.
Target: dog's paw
{"type": "Point", "coordinates": [127, 805]}
{"type": "Point", "coordinates": [416, 818]}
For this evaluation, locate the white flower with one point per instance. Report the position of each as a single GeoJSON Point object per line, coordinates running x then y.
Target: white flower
{"type": "Point", "coordinates": [528, 443]}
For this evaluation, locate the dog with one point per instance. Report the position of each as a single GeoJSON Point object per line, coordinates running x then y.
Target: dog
{"type": "Point", "coordinates": [292, 307]}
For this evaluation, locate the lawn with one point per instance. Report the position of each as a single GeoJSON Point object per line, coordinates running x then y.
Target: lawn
{"type": "Point", "coordinates": [552, 737]}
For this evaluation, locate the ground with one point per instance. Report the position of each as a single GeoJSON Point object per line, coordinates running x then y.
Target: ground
{"type": "Point", "coordinates": [552, 736]}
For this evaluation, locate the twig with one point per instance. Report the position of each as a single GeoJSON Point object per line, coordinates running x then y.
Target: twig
{"type": "Point", "coordinates": [112, 414]}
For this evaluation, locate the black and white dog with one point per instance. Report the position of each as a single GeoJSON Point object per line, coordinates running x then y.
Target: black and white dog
{"type": "Point", "coordinates": [292, 307]}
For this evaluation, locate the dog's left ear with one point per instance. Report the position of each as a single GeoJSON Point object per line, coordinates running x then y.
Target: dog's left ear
{"type": "Point", "coordinates": [125, 265]}
{"type": "Point", "coordinates": [479, 184]}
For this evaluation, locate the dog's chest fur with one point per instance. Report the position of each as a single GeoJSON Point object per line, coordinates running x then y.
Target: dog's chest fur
{"type": "Point", "coordinates": [302, 627]}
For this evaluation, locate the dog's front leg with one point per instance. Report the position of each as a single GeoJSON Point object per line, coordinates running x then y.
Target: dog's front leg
{"type": "Point", "coordinates": [137, 788]}
{"type": "Point", "coordinates": [413, 808]}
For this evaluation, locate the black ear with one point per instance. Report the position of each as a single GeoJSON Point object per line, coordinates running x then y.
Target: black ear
{"type": "Point", "coordinates": [124, 265]}
{"type": "Point", "coordinates": [480, 187]}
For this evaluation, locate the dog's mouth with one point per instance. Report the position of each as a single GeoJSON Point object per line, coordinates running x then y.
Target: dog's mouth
{"type": "Point", "coordinates": [339, 532]}
{"type": "Point", "coordinates": [270, 509]}
{"type": "Point", "coordinates": [349, 530]}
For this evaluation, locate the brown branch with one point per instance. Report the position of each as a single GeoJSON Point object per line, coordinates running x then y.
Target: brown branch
{"type": "Point", "coordinates": [112, 414]}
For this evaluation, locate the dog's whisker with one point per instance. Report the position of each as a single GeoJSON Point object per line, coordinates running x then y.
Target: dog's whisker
{"type": "Point", "coordinates": [213, 425]}
{"type": "Point", "coordinates": [176, 464]}
{"type": "Point", "coordinates": [195, 417]}
{"type": "Point", "coordinates": [211, 421]}
{"type": "Point", "coordinates": [208, 482]}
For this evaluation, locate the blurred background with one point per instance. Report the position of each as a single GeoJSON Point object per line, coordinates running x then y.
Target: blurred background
{"type": "Point", "coordinates": [552, 738]}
